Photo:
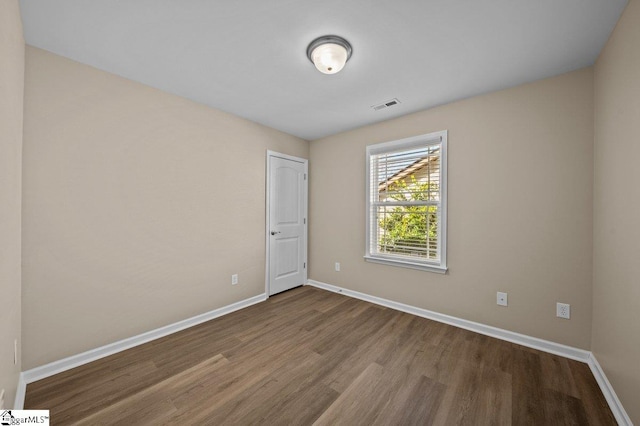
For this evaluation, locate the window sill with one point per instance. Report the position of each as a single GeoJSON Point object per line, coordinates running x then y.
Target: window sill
{"type": "Point", "coordinates": [407, 264]}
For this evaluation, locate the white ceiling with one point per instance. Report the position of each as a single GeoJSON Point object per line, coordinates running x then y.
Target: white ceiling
{"type": "Point", "coordinates": [248, 57]}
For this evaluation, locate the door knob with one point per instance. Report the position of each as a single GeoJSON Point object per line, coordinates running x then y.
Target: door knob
{"type": "Point", "coordinates": [274, 232]}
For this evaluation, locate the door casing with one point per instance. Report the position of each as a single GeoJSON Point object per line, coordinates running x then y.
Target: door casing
{"type": "Point", "coordinates": [305, 162]}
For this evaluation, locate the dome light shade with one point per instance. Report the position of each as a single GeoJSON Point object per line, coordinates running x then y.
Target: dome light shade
{"type": "Point", "coordinates": [329, 53]}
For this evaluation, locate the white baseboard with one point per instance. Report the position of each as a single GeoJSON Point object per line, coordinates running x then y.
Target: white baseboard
{"type": "Point", "coordinates": [487, 330]}
{"type": "Point", "coordinates": [610, 395]}
{"type": "Point", "coordinates": [65, 364]}
{"type": "Point", "coordinates": [20, 393]}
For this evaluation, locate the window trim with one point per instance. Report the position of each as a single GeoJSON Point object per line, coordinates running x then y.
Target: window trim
{"type": "Point", "coordinates": [408, 143]}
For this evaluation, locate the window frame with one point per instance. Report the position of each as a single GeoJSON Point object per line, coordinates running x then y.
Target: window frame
{"type": "Point", "coordinates": [435, 138]}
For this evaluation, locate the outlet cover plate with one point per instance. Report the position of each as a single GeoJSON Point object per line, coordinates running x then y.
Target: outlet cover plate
{"type": "Point", "coordinates": [563, 310]}
{"type": "Point", "coordinates": [502, 299]}
{"type": "Point", "coordinates": [234, 279]}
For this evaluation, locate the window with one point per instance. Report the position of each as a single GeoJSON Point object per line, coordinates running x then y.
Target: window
{"type": "Point", "coordinates": [407, 202]}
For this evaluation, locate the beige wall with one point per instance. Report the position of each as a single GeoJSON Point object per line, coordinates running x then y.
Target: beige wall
{"type": "Point", "coordinates": [616, 294]}
{"type": "Point", "coordinates": [11, 99]}
{"type": "Point", "coordinates": [138, 207]}
{"type": "Point", "coordinates": [520, 203]}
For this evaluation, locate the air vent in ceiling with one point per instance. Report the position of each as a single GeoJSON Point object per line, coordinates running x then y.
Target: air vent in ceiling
{"type": "Point", "coordinates": [387, 104]}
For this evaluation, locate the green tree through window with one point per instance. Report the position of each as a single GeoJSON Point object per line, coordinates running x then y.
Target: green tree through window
{"type": "Point", "coordinates": [409, 230]}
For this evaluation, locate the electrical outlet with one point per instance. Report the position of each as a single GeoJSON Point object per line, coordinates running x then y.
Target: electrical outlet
{"type": "Point", "coordinates": [563, 310]}
{"type": "Point", "coordinates": [501, 299]}
{"type": "Point", "coordinates": [2, 399]}
{"type": "Point", "coordinates": [234, 279]}
{"type": "Point", "coordinates": [337, 266]}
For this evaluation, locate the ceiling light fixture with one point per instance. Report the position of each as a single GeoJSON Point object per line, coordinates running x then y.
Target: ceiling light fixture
{"type": "Point", "coordinates": [329, 53]}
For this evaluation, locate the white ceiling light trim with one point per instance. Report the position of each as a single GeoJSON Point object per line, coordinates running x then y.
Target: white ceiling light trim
{"type": "Point", "coordinates": [329, 53]}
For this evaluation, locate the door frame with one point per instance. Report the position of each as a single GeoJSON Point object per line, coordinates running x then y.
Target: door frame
{"type": "Point", "coordinates": [305, 162]}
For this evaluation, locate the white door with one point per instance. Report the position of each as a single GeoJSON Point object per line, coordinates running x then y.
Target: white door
{"type": "Point", "coordinates": [286, 222]}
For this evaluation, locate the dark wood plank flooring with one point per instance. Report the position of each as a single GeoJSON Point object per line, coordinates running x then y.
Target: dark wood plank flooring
{"type": "Point", "coordinates": [308, 356]}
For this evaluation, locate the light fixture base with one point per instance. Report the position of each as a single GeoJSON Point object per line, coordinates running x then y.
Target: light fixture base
{"type": "Point", "coordinates": [329, 53]}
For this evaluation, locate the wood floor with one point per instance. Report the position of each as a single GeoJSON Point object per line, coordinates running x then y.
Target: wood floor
{"type": "Point", "coordinates": [308, 356]}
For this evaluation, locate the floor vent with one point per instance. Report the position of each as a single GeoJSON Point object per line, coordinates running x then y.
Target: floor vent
{"type": "Point", "coordinates": [387, 104]}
